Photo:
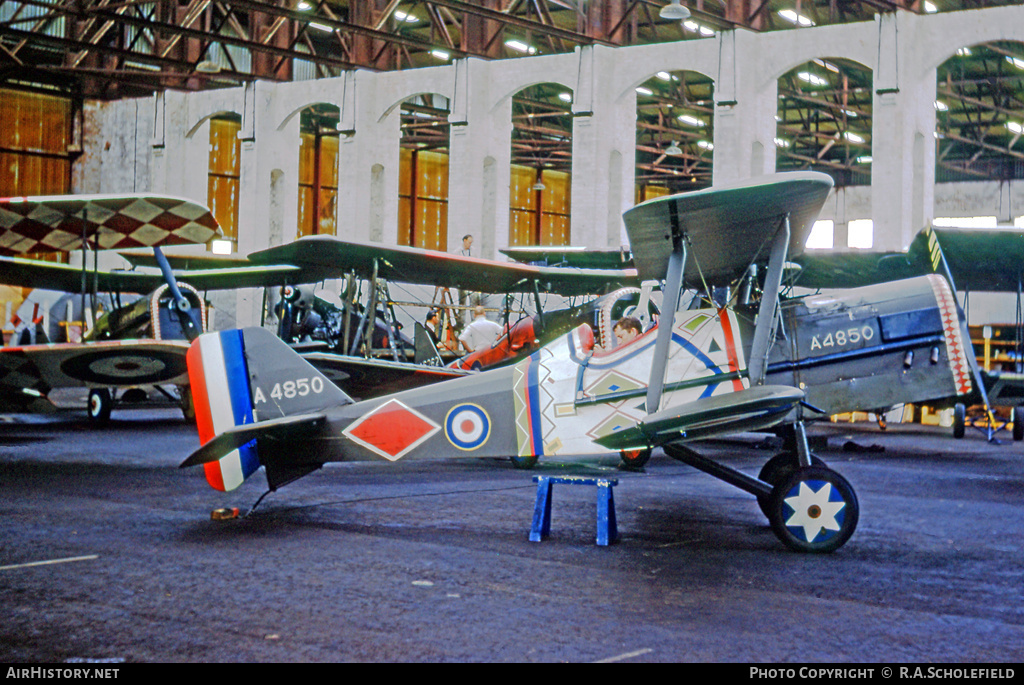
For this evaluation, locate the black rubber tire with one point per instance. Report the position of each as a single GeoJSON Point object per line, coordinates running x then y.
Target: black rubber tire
{"type": "Point", "coordinates": [634, 459]}
{"type": "Point", "coordinates": [524, 463]}
{"type": "Point", "coordinates": [100, 405]}
{"type": "Point", "coordinates": [778, 468]}
{"type": "Point", "coordinates": [1017, 416]}
{"type": "Point", "coordinates": [796, 504]}
{"type": "Point", "coordinates": [959, 420]}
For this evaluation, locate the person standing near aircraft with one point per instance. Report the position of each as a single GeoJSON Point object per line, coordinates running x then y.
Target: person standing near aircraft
{"type": "Point", "coordinates": [627, 329]}
{"type": "Point", "coordinates": [481, 333]}
{"type": "Point", "coordinates": [431, 324]}
{"type": "Point", "coordinates": [467, 244]}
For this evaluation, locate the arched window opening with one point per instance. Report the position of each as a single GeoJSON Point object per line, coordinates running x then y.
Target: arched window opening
{"type": "Point", "coordinates": [224, 175]}
{"type": "Point", "coordinates": [824, 120]}
{"type": "Point", "coordinates": [674, 133]}
{"type": "Point", "coordinates": [979, 116]}
{"type": "Point", "coordinates": [540, 197]}
{"type": "Point", "coordinates": [318, 170]}
{"type": "Point", "coordinates": [423, 173]}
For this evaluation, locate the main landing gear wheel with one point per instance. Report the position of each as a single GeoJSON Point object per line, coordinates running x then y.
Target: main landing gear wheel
{"type": "Point", "coordinates": [524, 463]}
{"type": "Point", "coordinates": [777, 469]}
{"type": "Point", "coordinates": [100, 404]}
{"type": "Point", "coordinates": [1017, 416]}
{"type": "Point", "coordinates": [813, 510]}
{"type": "Point", "coordinates": [960, 420]}
{"type": "Point", "coordinates": [635, 459]}
{"type": "Point", "coordinates": [188, 406]}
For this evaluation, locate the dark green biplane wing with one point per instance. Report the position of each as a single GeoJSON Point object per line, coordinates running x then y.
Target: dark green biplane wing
{"type": "Point", "coordinates": [578, 257]}
{"type": "Point", "coordinates": [330, 257]}
{"type": "Point", "coordinates": [979, 259]}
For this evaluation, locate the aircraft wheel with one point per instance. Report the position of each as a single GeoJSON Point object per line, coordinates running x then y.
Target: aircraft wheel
{"type": "Point", "coordinates": [960, 420]}
{"type": "Point", "coordinates": [776, 470]}
{"type": "Point", "coordinates": [100, 404]}
{"type": "Point", "coordinates": [524, 462]}
{"type": "Point", "coordinates": [1017, 416]}
{"type": "Point", "coordinates": [814, 510]}
{"type": "Point", "coordinates": [635, 459]}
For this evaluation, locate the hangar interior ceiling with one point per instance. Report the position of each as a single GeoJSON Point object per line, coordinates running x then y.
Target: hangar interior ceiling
{"type": "Point", "coordinates": [109, 49]}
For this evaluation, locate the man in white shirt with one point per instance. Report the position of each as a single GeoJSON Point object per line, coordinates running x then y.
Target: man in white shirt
{"type": "Point", "coordinates": [481, 333]}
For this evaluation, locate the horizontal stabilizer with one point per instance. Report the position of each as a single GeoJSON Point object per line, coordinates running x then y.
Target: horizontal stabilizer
{"type": "Point", "coordinates": [752, 409]}
{"type": "Point", "coordinates": [288, 427]}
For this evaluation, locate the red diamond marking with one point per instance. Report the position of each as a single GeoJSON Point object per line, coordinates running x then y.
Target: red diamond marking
{"type": "Point", "coordinates": [391, 430]}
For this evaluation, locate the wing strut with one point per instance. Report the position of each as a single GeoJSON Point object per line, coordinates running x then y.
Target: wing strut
{"type": "Point", "coordinates": [767, 315]}
{"type": "Point", "coordinates": [666, 322]}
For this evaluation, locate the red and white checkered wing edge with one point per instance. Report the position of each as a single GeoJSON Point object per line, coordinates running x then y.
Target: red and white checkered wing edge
{"type": "Point", "coordinates": [955, 346]}
{"type": "Point", "coordinates": [54, 223]}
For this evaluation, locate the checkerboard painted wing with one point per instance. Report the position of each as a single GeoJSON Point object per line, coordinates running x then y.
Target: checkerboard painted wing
{"type": "Point", "coordinates": [55, 223]}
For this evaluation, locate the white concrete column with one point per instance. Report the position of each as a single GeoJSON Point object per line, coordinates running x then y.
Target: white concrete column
{"type": "Point", "coordinates": [902, 142]}
{"type": "Point", "coordinates": [479, 154]}
{"type": "Point", "coordinates": [604, 150]}
{"type": "Point", "coordinates": [269, 190]}
{"type": "Point", "coordinates": [745, 112]}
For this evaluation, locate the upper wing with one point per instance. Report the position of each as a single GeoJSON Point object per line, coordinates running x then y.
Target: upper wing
{"type": "Point", "coordinates": [59, 222]}
{"type": "Point", "coordinates": [853, 269]}
{"type": "Point", "coordinates": [979, 259]}
{"type": "Point", "coordinates": [726, 228]}
{"type": "Point", "coordinates": [986, 259]}
{"type": "Point", "coordinates": [330, 257]}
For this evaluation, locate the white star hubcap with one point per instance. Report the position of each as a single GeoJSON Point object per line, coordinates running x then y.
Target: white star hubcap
{"type": "Point", "coordinates": [813, 511]}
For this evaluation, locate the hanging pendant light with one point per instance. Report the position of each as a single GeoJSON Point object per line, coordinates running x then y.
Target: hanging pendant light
{"type": "Point", "coordinates": [674, 11]}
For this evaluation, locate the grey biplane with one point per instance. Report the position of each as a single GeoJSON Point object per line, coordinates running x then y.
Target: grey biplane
{"type": "Point", "coordinates": [700, 373]}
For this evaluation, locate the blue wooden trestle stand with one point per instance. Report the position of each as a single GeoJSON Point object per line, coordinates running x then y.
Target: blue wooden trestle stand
{"type": "Point", "coordinates": [607, 530]}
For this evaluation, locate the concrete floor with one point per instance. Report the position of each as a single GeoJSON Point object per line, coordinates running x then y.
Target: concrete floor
{"type": "Point", "coordinates": [431, 562]}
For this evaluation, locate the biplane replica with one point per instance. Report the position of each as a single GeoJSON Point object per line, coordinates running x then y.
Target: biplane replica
{"type": "Point", "coordinates": [700, 373]}
{"type": "Point", "coordinates": [132, 344]}
{"type": "Point", "coordinates": [972, 260]}
{"type": "Point", "coordinates": [364, 351]}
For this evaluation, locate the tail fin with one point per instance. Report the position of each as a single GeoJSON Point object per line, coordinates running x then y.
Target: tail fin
{"type": "Point", "coordinates": [426, 350]}
{"type": "Point", "coordinates": [241, 377]}
{"type": "Point", "coordinates": [928, 248]}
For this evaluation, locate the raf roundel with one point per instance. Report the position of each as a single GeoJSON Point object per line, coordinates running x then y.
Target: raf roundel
{"type": "Point", "coordinates": [467, 426]}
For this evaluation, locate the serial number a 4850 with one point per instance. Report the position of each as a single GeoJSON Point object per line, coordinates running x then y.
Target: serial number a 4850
{"type": "Point", "coordinates": [841, 338]}
{"type": "Point", "coordinates": [300, 387]}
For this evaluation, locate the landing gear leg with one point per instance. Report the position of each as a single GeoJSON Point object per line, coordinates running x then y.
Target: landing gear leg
{"type": "Point", "coordinates": [959, 420]}
{"type": "Point", "coordinates": [811, 508]}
